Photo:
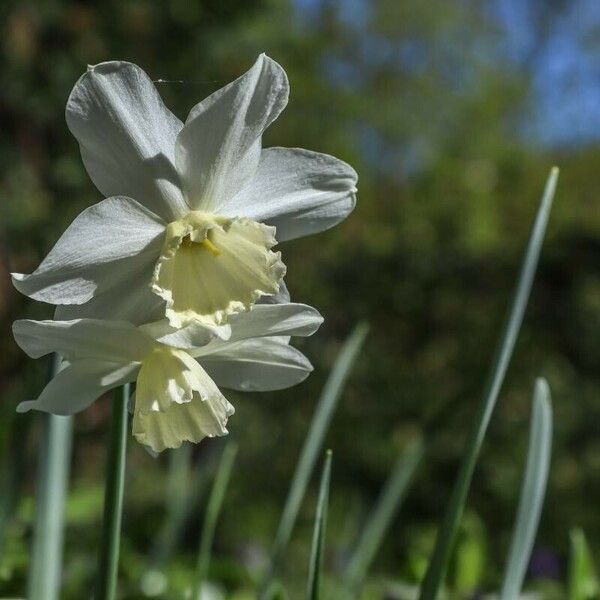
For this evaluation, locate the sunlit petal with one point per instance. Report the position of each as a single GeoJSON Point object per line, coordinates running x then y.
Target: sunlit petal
{"type": "Point", "coordinates": [190, 422]}
{"type": "Point", "coordinates": [176, 401]}
{"type": "Point", "coordinates": [127, 136]}
{"type": "Point", "coordinates": [218, 149]}
{"type": "Point", "coordinates": [79, 384]}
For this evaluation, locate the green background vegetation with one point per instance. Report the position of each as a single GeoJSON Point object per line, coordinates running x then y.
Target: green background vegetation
{"type": "Point", "coordinates": [422, 100]}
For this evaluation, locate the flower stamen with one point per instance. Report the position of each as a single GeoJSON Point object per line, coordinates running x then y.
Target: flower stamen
{"type": "Point", "coordinates": [210, 246]}
{"type": "Point", "coordinates": [188, 242]}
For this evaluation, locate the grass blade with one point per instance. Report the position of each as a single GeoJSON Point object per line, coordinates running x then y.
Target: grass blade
{"type": "Point", "coordinates": [380, 519]}
{"type": "Point", "coordinates": [213, 509]}
{"type": "Point", "coordinates": [318, 541]}
{"type": "Point", "coordinates": [438, 565]}
{"type": "Point", "coordinates": [108, 559]}
{"type": "Point", "coordinates": [583, 580]}
{"type": "Point", "coordinates": [53, 476]}
{"type": "Point", "coordinates": [533, 491]}
{"type": "Point", "coordinates": [312, 447]}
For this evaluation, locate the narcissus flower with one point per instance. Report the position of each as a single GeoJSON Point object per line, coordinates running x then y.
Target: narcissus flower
{"type": "Point", "coordinates": [178, 372]}
{"type": "Point", "coordinates": [193, 210]}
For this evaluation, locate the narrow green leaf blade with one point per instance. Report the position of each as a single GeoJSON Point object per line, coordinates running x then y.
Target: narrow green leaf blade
{"type": "Point", "coordinates": [438, 565]}
{"type": "Point", "coordinates": [583, 579]}
{"type": "Point", "coordinates": [312, 447]}
{"type": "Point", "coordinates": [533, 491]}
{"type": "Point", "coordinates": [379, 521]}
{"type": "Point", "coordinates": [215, 502]}
{"type": "Point", "coordinates": [53, 476]}
{"type": "Point", "coordinates": [318, 541]}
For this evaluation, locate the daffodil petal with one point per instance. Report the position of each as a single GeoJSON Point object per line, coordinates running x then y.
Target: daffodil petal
{"type": "Point", "coordinates": [275, 320]}
{"type": "Point", "coordinates": [204, 285]}
{"type": "Point", "coordinates": [176, 401]}
{"type": "Point", "coordinates": [110, 341]}
{"type": "Point", "coordinates": [170, 376]}
{"type": "Point", "coordinates": [282, 296]}
{"type": "Point", "coordinates": [297, 191]}
{"type": "Point", "coordinates": [108, 242]}
{"type": "Point", "coordinates": [79, 384]}
{"type": "Point", "coordinates": [190, 336]}
{"type": "Point", "coordinates": [127, 136]}
{"type": "Point", "coordinates": [266, 320]}
{"type": "Point", "coordinates": [167, 376]}
{"type": "Point", "coordinates": [257, 365]}
{"type": "Point", "coordinates": [190, 422]}
{"type": "Point", "coordinates": [129, 298]}
{"type": "Point", "coordinates": [218, 149]}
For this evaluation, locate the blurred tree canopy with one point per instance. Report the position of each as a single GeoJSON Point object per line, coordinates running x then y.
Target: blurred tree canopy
{"type": "Point", "coordinates": [439, 117]}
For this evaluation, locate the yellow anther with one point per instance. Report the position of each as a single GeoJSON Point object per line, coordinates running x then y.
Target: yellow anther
{"type": "Point", "coordinates": [210, 246]}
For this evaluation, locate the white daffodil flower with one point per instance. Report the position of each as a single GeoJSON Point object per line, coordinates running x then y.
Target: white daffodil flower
{"type": "Point", "coordinates": [193, 210]}
{"type": "Point", "coordinates": [178, 371]}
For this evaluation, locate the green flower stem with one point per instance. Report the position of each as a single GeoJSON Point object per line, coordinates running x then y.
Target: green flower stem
{"type": "Point", "coordinates": [53, 477]}
{"type": "Point", "coordinates": [108, 562]}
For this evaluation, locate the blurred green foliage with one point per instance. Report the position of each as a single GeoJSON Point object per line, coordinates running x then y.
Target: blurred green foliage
{"type": "Point", "coordinates": [418, 99]}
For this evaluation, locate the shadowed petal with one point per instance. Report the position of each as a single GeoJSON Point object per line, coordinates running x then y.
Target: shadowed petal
{"type": "Point", "coordinates": [268, 320]}
{"type": "Point", "coordinates": [128, 299]}
{"type": "Point", "coordinates": [257, 365]}
{"type": "Point", "coordinates": [298, 191]}
{"type": "Point", "coordinates": [111, 341]}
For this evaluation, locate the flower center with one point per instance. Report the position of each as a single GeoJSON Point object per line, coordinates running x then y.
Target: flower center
{"type": "Point", "coordinates": [212, 266]}
{"type": "Point", "coordinates": [187, 242]}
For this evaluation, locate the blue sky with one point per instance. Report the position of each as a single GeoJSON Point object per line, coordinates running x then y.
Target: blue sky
{"type": "Point", "coordinates": [564, 69]}
{"type": "Point", "coordinates": [566, 72]}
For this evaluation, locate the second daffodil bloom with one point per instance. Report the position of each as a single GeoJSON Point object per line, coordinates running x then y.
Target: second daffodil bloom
{"type": "Point", "coordinates": [178, 372]}
{"type": "Point", "coordinates": [193, 209]}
